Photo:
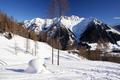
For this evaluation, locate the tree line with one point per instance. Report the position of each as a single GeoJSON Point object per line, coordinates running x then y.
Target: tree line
{"type": "Point", "coordinates": [9, 24]}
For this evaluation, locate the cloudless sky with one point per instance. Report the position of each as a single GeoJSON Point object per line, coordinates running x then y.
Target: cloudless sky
{"type": "Point", "coordinates": [104, 10]}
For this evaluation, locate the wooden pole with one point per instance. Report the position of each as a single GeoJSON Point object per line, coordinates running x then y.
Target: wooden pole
{"type": "Point", "coordinates": [58, 45]}
{"type": "Point", "coordinates": [60, 14]}
{"type": "Point", "coordinates": [52, 53]}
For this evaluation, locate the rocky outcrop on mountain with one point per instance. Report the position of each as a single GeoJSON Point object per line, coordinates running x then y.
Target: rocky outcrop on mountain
{"type": "Point", "coordinates": [61, 34]}
{"type": "Point", "coordinates": [95, 32]}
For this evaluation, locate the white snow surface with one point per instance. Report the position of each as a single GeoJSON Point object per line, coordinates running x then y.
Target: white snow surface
{"type": "Point", "coordinates": [72, 67]}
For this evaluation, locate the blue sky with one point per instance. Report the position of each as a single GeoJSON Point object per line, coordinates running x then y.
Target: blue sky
{"type": "Point", "coordinates": [104, 10]}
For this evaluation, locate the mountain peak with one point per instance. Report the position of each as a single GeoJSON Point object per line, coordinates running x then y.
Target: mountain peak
{"type": "Point", "coordinates": [73, 17]}
{"type": "Point", "coordinates": [97, 22]}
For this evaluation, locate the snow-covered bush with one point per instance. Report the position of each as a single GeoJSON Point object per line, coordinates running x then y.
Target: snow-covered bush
{"type": "Point", "coordinates": [36, 66]}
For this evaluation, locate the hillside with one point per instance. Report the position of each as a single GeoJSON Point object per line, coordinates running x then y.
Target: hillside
{"type": "Point", "coordinates": [72, 67]}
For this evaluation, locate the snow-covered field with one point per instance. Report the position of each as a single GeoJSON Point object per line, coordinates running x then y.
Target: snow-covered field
{"type": "Point", "coordinates": [13, 66]}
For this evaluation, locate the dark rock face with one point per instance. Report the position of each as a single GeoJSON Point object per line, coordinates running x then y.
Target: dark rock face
{"type": "Point", "coordinates": [113, 37]}
{"type": "Point", "coordinates": [61, 34]}
{"type": "Point", "coordinates": [64, 37]}
{"type": "Point", "coordinates": [95, 32]}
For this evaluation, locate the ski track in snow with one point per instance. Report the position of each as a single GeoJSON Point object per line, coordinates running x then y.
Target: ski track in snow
{"type": "Point", "coordinates": [71, 67]}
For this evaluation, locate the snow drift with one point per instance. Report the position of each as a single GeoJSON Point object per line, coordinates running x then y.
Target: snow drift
{"type": "Point", "coordinates": [36, 66]}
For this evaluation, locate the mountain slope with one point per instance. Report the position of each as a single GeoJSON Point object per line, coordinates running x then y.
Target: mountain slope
{"type": "Point", "coordinates": [117, 27]}
{"type": "Point", "coordinates": [71, 66]}
{"type": "Point", "coordinates": [95, 32]}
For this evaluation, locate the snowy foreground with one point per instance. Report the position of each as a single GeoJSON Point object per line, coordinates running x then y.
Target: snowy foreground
{"type": "Point", "coordinates": [20, 66]}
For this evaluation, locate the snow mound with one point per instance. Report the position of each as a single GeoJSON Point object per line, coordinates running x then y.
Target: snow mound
{"type": "Point", "coordinates": [36, 66]}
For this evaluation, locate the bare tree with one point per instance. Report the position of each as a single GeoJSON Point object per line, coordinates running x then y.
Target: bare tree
{"type": "Point", "coordinates": [13, 30]}
{"type": "Point", "coordinates": [16, 47]}
{"type": "Point", "coordinates": [58, 8]}
{"type": "Point", "coordinates": [27, 42]}
{"type": "Point", "coordinates": [36, 45]}
{"type": "Point", "coordinates": [102, 47]}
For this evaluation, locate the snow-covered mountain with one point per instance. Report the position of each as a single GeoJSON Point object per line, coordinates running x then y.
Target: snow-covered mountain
{"type": "Point", "coordinates": [75, 28]}
{"type": "Point", "coordinates": [43, 24]}
{"type": "Point", "coordinates": [22, 66]}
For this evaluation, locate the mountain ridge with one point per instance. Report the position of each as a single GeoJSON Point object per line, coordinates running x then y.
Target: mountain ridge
{"type": "Point", "coordinates": [73, 29]}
